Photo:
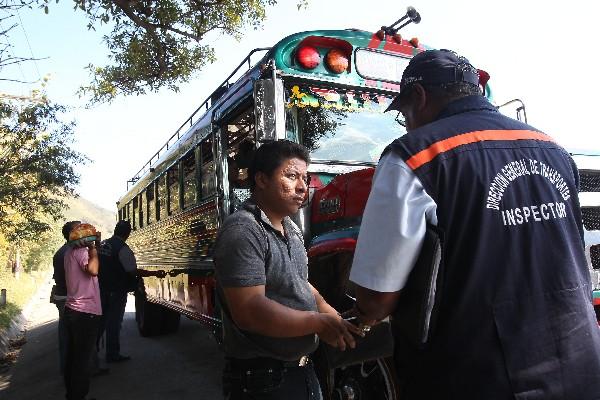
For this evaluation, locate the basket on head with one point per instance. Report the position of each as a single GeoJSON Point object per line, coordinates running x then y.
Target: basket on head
{"type": "Point", "coordinates": [82, 233]}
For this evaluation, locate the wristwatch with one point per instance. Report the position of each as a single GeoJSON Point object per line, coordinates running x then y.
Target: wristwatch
{"type": "Point", "coordinates": [364, 328]}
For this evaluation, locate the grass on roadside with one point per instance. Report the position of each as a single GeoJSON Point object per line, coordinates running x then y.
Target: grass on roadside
{"type": "Point", "coordinates": [18, 292]}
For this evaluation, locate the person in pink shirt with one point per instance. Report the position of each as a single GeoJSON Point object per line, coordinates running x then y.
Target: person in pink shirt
{"type": "Point", "coordinates": [82, 312]}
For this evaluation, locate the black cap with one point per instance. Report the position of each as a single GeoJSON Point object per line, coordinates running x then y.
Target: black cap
{"type": "Point", "coordinates": [436, 67]}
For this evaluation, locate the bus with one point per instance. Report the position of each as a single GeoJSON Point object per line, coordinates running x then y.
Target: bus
{"type": "Point", "coordinates": [588, 164]}
{"type": "Point", "coordinates": [324, 89]}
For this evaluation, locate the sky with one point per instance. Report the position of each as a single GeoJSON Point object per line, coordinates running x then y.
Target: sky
{"type": "Point", "coordinates": [542, 52]}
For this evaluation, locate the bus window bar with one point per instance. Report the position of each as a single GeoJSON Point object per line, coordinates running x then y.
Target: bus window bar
{"type": "Point", "coordinates": [205, 103]}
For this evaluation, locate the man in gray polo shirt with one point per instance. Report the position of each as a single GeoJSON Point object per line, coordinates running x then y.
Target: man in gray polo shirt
{"type": "Point", "coordinates": [273, 317]}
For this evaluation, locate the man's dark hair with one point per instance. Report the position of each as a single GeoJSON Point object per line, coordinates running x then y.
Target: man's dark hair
{"type": "Point", "coordinates": [271, 155]}
{"type": "Point", "coordinates": [123, 229]}
{"type": "Point", "coordinates": [68, 227]}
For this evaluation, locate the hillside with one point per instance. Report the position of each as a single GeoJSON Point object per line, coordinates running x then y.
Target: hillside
{"type": "Point", "coordinates": [86, 211]}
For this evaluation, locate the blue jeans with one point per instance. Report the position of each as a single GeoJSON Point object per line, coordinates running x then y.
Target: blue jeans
{"type": "Point", "coordinates": [269, 381]}
{"type": "Point", "coordinates": [113, 309]}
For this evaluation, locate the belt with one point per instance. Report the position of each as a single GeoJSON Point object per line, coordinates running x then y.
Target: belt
{"type": "Point", "coordinates": [261, 362]}
{"type": "Point", "coordinates": [301, 362]}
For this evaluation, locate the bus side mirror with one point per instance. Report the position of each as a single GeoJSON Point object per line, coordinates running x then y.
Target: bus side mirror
{"type": "Point", "coordinates": [268, 110]}
{"type": "Point", "coordinates": [520, 112]}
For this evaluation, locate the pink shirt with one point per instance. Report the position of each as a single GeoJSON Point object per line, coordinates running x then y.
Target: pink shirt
{"type": "Point", "coordinates": [83, 292]}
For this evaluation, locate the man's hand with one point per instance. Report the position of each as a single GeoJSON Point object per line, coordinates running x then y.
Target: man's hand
{"type": "Point", "coordinates": [98, 239]}
{"type": "Point", "coordinates": [336, 332]}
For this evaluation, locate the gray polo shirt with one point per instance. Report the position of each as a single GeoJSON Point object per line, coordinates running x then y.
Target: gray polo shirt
{"type": "Point", "coordinates": [251, 252]}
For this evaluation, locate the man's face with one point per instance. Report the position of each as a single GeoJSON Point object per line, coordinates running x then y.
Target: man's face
{"type": "Point", "coordinates": [408, 109]}
{"type": "Point", "coordinates": [418, 108]}
{"type": "Point", "coordinates": [285, 190]}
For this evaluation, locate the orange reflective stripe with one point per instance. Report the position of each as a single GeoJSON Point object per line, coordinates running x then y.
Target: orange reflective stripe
{"type": "Point", "coordinates": [424, 156]}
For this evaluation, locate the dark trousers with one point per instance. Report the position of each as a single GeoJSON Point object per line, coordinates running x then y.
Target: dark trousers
{"type": "Point", "coordinates": [82, 329]}
{"type": "Point", "coordinates": [269, 380]}
{"type": "Point", "coordinates": [62, 334]}
{"type": "Point", "coordinates": [113, 309]}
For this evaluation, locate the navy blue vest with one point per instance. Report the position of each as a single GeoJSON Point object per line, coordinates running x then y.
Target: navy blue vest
{"type": "Point", "coordinates": [515, 319]}
{"type": "Point", "coordinates": [112, 277]}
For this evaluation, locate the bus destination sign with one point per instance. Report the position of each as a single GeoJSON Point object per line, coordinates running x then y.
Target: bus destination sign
{"type": "Point", "coordinates": [381, 66]}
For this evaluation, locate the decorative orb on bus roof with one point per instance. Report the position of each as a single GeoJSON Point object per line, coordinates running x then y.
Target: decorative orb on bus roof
{"type": "Point", "coordinates": [336, 61]}
{"type": "Point", "coordinates": [308, 57]}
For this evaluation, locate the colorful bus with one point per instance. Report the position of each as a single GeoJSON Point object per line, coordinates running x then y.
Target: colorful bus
{"type": "Point", "coordinates": [324, 89]}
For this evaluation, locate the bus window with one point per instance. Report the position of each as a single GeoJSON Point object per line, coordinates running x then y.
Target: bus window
{"type": "Point", "coordinates": [135, 212]}
{"type": "Point", "coordinates": [173, 186]}
{"type": "Point", "coordinates": [340, 124]}
{"type": "Point", "coordinates": [142, 210]}
{"type": "Point", "coordinates": [189, 179]}
{"type": "Point", "coordinates": [151, 203]}
{"type": "Point", "coordinates": [240, 148]}
{"type": "Point", "coordinates": [161, 186]}
{"type": "Point", "coordinates": [208, 168]}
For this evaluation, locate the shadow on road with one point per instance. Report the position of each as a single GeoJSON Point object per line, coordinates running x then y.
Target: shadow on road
{"type": "Point", "coordinates": [181, 366]}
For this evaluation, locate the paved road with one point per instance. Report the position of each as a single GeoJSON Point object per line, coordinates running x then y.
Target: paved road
{"type": "Point", "coordinates": [182, 366]}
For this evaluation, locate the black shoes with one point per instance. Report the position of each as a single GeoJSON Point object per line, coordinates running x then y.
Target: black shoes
{"type": "Point", "coordinates": [118, 358]}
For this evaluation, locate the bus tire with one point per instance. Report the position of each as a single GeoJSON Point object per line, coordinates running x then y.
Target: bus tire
{"type": "Point", "coordinates": [170, 321]}
{"type": "Point", "coordinates": [148, 316]}
{"type": "Point", "coordinates": [373, 380]}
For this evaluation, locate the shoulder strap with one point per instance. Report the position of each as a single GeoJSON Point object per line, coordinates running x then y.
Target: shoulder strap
{"type": "Point", "coordinates": [264, 232]}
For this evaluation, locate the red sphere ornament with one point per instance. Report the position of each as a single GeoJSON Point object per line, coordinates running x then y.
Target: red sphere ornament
{"type": "Point", "coordinates": [308, 57]}
{"type": "Point", "coordinates": [337, 61]}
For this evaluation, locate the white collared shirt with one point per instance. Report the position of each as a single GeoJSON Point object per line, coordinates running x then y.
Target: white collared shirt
{"type": "Point", "coordinates": [392, 228]}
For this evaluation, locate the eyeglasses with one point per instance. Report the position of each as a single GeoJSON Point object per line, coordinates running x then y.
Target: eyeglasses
{"type": "Point", "coordinates": [400, 119]}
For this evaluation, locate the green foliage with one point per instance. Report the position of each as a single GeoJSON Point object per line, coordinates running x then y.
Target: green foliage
{"type": "Point", "coordinates": [18, 292]}
{"type": "Point", "coordinates": [80, 209]}
{"type": "Point", "coordinates": [158, 43]}
{"type": "Point", "coordinates": [36, 165]}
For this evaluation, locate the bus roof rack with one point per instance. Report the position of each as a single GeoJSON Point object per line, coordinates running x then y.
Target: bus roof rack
{"type": "Point", "coordinates": [207, 103]}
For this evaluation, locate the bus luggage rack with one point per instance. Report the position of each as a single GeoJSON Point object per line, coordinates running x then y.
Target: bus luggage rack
{"type": "Point", "coordinates": [207, 103]}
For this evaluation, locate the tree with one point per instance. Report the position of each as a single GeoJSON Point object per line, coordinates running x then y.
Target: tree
{"type": "Point", "coordinates": [7, 8]}
{"type": "Point", "coordinates": [36, 166]}
{"type": "Point", "coordinates": [158, 43]}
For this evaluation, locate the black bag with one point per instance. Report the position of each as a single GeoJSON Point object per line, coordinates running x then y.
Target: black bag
{"type": "Point", "coordinates": [416, 312]}
{"type": "Point", "coordinates": [377, 343]}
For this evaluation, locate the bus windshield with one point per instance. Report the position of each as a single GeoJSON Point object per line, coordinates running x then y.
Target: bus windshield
{"type": "Point", "coordinates": [339, 124]}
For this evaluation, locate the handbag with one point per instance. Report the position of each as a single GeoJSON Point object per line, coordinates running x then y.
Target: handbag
{"type": "Point", "coordinates": [377, 343]}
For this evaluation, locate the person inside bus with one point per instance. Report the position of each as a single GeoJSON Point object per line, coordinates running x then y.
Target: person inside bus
{"type": "Point", "coordinates": [272, 316]}
{"type": "Point", "coordinates": [513, 316]}
{"type": "Point", "coordinates": [237, 167]}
